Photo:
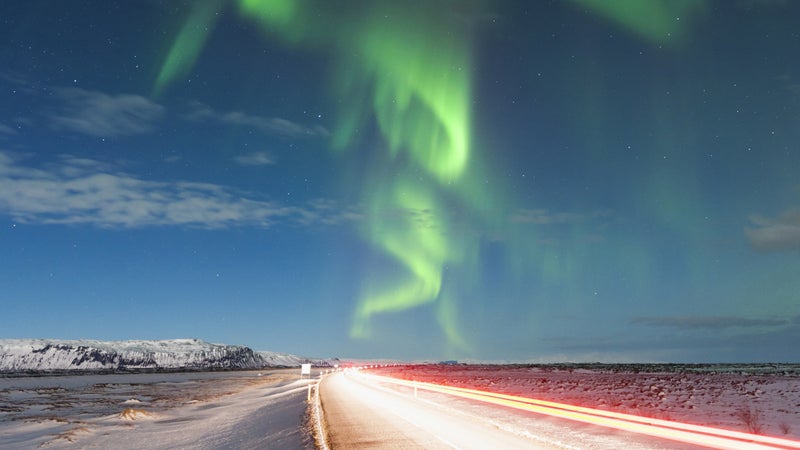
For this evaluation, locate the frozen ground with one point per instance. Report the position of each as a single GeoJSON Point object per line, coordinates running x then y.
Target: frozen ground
{"type": "Point", "coordinates": [250, 409]}
{"type": "Point", "coordinates": [198, 410]}
{"type": "Point", "coordinates": [733, 397]}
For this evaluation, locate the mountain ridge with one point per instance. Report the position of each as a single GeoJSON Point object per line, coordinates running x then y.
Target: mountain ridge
{"type": "Point", "coordinates": [59, 355]}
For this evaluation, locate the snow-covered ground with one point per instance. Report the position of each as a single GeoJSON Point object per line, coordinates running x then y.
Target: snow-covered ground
{"type": "Point", "coordinates": [202, 410]}
{"type": "Point", "coordinates": [762, 399]}
{"type": "Point", "coordinates": [252, 409]}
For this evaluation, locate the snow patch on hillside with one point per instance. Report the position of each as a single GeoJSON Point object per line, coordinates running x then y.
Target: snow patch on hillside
{"type": "Point", "coordinates": [46, 355]}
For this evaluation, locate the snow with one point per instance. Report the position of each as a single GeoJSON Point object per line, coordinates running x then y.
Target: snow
{"type": "Point", "coordinates": [38, 355]}
{"type": "Point", "coordinates": [266, 407]}
{"type": "Point", "coordinates": [203, 410]}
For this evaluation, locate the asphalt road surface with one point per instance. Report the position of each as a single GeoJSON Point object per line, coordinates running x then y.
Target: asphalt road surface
{"type": "Point", "coordinates": [360, 416]}
{"type": "Point", "coordinates": [362, 413]}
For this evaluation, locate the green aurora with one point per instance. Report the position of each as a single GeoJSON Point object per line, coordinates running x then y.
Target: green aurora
{"type": "Point", "coordinates": [660, 21]}
{"type": "Point", "coordinates": [409, 68]}
{"type": "Point", "coordinates": [515, 180]}
{"type": "Point", "coordinates": [408, 72]}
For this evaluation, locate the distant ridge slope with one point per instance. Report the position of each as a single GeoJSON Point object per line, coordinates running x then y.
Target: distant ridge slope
{"type": "Point", "coordinates": [49, 355]}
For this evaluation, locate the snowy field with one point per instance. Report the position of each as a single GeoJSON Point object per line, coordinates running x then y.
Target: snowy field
{"type": "Point", "coordinates": [202, 410]}
{"type": "Point", "coordinates": [267, 409]}
{"type": "Point", "coordinates": [764, 399]}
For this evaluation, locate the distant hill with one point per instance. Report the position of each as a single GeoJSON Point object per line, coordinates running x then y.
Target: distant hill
{"type": "Point", "coordinates": [46, 355]}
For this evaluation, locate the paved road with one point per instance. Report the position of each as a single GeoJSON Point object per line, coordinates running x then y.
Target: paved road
{"type": "Point", "coordinates": [361, 411]}
{"type": "Point", "coordinates": [361, 415]}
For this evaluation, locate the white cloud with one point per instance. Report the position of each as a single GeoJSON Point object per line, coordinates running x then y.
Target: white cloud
{"type": "Point", "coordinates": [102, 115]}
{"type": "Point", "coordinates": [99, 114]}
{"type": "Point", "coordinates": [708, 322]}
{"type": "Point", "coordinates": [85, 191]}
{"type": "Point", "coordinates": [254, 159]}
{"type": "Point", "coordinates": [781, 233]}
{"type": "Point", "coordinates": [545, 217]}
{"type": "Point", "coordinates": [271, 125]}
{"type": "Point", "coordinates": [542, 216]}
{"type": "Point", "coordinates": [329, 212]}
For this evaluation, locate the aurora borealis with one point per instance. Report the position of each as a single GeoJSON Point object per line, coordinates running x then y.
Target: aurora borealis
{"type": "Point", "coordinates": [417, 87]}
{"type": "Point", "coordinates": [438, 179]}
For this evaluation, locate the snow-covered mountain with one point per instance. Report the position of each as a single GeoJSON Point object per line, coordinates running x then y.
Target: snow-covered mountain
{"type": "Point", "coordinates": [43, 355]}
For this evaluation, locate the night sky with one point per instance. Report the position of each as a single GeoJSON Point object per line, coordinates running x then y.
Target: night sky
{"type": "Point", "coordinates": [576, 180]}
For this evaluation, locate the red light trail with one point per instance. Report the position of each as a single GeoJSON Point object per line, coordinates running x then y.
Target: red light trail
{"type": "Point", "coordinates": [676, 431]}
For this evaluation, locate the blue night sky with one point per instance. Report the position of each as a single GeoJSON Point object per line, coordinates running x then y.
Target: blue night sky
{"type": "Point", "coordinates": [546, 181]}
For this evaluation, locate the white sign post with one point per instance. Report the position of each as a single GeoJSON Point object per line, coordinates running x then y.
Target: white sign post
{"type": "Point", "coordinates": [305, 369]}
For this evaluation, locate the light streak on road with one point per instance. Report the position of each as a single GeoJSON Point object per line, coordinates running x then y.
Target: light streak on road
{"type": "Point", "coordinates": [676, 431]}
{"type": "Point", "coordinates": [361, 414]}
